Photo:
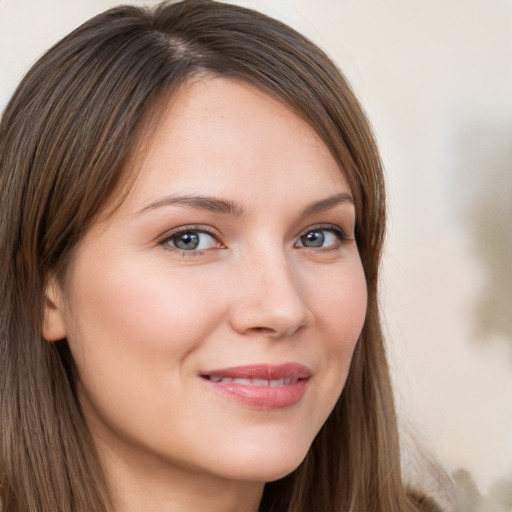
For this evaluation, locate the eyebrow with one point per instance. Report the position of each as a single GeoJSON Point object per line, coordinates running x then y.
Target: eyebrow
{"type": "Point", "coordinates": [329, 202]}
{"type": "Point", "coordinates": [228, 207]}
{"type": "Point", "coordinates": [211, 204]}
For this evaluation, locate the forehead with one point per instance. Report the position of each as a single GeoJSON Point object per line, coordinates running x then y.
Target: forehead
{"type": "Point", "coordinates": [224, 136]}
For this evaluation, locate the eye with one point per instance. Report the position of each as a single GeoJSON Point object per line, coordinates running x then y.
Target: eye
{"type": "Point", "coordinates": [326, 238]}
{"type": "Point", "coordinates": [191, 240]}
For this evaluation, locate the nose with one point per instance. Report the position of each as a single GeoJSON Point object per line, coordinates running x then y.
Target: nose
{"type": "Point", "coordinates": [269, 299]}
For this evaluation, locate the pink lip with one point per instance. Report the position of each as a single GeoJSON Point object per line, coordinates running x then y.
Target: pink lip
{"type": "Point", "coordinates": [261, 396]}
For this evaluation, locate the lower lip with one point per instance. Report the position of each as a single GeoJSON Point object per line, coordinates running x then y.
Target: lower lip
{"type": "Point", "coordinates": [263, 397]}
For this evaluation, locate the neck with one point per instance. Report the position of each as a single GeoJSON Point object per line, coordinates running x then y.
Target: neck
{"type": "Point", "coordinates": [154, 485]}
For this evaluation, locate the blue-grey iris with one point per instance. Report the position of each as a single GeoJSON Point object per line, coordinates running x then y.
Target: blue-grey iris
{"type": "Point", "coordinates": [313, 239]}
{"type": "Point", "coordinates": [187, 241]}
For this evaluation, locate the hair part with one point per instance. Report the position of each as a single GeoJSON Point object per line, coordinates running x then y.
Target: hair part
{"type": "Point", "coordinates": [69, 137]}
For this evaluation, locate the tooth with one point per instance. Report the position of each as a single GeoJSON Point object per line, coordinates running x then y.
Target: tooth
{"type": "Point", "coordinates": [246, 382]}
{"type": "Point", "coordinates": [254, 382]}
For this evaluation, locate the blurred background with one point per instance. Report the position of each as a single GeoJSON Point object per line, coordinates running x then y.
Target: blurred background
{"type": "Point", "coordinates": [435, 77]}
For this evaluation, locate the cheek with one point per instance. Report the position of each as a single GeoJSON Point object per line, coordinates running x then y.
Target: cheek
{"type": "Point", "coordinates": [341, 306]}
{"type": "Point", "coordinates": [132, 329]}
{"type": "Point", "coordinates": [340, 312]}
{"type": "Point", "coordinates": [131, 324]}
{"type": "Point", "coordinates": [142, 307]}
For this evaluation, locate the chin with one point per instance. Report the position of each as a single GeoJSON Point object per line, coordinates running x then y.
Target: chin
{"type": "Point", "coordinates": [267, 464]}
{"type": "Point", "coordinates": [281, 472]}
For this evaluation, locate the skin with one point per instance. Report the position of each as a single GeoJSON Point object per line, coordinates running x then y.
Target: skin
{"type": "Point", "coordinates": [145, 319]}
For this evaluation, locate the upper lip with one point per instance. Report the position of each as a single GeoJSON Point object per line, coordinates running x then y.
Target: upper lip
{"type": "Point", "coordinates": [262, 371]}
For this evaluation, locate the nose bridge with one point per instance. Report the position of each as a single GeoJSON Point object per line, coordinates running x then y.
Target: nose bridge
{"type": "Point", "coordinates": [270, 296]}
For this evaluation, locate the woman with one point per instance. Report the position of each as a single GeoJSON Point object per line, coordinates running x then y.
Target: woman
{"type": "Point", "coordinates": [191, 223]}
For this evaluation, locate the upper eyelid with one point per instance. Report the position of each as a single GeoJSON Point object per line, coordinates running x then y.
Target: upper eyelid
{"type": "Point", "coordinates": [185, 229]}
{"type": "Point", "coordinates": [326, 227]}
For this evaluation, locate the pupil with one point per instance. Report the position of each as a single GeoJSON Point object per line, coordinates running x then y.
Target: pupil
{"type": "Point", "coordinates": [187, 241]}
{"type": "Point", "coordinates": [314, 239]}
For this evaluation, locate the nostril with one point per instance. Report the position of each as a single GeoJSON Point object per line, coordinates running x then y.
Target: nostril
{"type": "Point", "coordinates": [262, 329]}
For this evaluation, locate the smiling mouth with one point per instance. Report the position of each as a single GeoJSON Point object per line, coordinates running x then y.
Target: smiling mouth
{"type": "Point", "coordinates": [261, 386]}
{"type": "Point", "coordinates": [253, 382]}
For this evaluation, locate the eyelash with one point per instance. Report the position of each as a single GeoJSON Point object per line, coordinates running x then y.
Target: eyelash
{"type": "Point", "coordinates": [187, 229]}
{"type": "Point", "coordinates": [340, 234]}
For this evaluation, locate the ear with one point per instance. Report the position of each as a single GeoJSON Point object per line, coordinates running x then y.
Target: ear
{"type": "Point", "coordinates": [54, 327]}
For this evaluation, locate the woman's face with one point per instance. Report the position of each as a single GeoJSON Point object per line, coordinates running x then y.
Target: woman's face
{"type": "Point", "coordinates": [213, 318]}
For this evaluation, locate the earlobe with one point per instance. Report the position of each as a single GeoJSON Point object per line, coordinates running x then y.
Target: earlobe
{"type": "Point", "coordinates": [54, 327]}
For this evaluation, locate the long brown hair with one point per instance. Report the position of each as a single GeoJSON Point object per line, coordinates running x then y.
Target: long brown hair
{"type": "Point", "coordinates": [65, 138]}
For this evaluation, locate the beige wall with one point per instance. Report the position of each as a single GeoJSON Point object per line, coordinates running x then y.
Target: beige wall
{"type": "Point", "coordinates": [436, 79]}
